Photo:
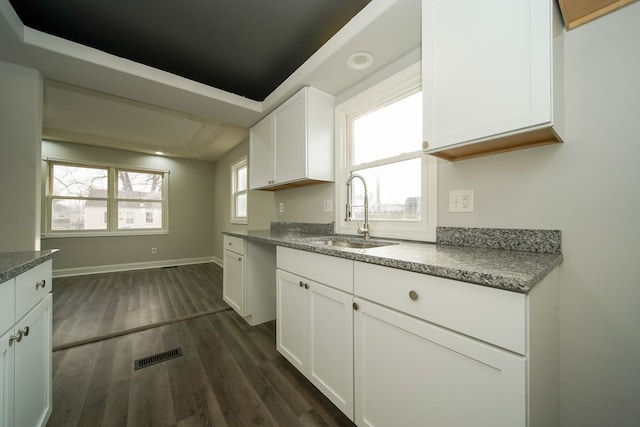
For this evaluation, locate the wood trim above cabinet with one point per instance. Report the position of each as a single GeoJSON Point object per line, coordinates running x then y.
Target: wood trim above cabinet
{"type": "Point", "coordinates": [579, 12]}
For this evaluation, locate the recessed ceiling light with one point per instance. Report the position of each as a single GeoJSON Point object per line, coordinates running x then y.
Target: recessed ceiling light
{"type": "Point", "coordinates": [360, 61]}
{"type": "Point", "coordinates": [159, 153]}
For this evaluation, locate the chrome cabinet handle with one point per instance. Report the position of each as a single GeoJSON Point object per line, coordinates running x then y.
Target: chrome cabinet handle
{"type": "Point", "coordinates": [413, 295]}
{"type": "Point", "coordinates": [355, 306]}
{"type": "Point", "coordinates": [24, 332]}
{"type": "Point", "coordinates": [41, 284]}
{"type": "Point", "coordinates": [16, 338]}
{"type": "Point", "coordinates": [306, 286]}
{"type": "Point", "coordinates": [301, 284]}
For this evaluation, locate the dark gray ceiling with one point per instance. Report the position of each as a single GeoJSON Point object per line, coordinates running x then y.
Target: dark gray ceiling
{"type": "Point", "coordinates": [246, 47]}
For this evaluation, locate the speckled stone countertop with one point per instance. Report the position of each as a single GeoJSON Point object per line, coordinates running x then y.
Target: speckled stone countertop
{"type": "Point", "coordinates": [513, 270]}
{"type": "Point", "coordinates": [13, 264]}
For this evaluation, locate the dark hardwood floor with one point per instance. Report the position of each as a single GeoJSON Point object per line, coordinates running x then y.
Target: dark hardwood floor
{"type": "Point", "coordinates": [230, 374]}
{"type": "Point", "coordinates": [101, 305]}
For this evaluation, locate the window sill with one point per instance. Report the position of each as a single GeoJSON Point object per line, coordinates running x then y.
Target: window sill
{"type": "Point", "coordinates": [67, 235]}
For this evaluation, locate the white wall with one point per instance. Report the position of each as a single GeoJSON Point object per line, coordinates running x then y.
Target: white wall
{"type": "Point", "coordinates": [588, 187]}
{"type": "Point", "coordinates": [261, 208]}
{"type": "Point", "coordinates": [20, 135]}
{"type": "Point", "coordinates": [192, 212]}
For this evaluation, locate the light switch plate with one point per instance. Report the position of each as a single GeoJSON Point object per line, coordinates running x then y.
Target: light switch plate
{"type": "Point", "coordinates": [327, 206]}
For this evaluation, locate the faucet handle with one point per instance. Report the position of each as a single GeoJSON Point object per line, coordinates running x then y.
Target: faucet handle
{"type": "Point", "coordinates": [361, 230]}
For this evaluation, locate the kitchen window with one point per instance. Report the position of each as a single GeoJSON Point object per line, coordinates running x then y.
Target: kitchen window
{"type": "Point", "coordinates": [239, 192]}
{"type": "Point", "coordinates": [95, 200]}
{"type": "Point", "coordinates": [379, 137]}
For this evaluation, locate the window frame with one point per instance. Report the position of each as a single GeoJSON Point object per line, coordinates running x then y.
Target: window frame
{"type": "Point", "coordinates": [112, 201]}
{"type": "Point", "coordinates": [242, 163]}
{"type": "Point", "coordinates": [395, 87]}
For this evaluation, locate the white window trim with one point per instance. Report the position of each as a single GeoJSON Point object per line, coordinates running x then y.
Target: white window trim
{"type": "Point", "coordinates": [234, 167]}
{"type": "Point", "coordinates": [113, 213]}
{"type": "Point", "coordinates": [383, 92]}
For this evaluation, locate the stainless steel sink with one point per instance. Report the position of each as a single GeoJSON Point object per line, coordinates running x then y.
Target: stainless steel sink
{"type": "Point", "coordinates": [351, 244]}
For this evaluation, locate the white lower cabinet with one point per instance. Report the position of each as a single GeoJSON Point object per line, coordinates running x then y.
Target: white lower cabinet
{"type": "Point", "coordinates": [33, 367]}
{"type": "Point", "coordinates": [409, 372]}
{"type": "Point", "coordinates": [7, 357]}
{"type": "Point", "coordinates": [315, 333]}
{"type": "Point", "coordinates": [395, 348]}
{"type": "Point", "coordinates": [25, 352]}
{"type": "Point", "coordinates": [248, 279]}
{"type": "Point", "coordinates": [314, 327]}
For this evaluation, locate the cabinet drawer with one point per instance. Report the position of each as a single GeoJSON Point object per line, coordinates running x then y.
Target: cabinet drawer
{"type": "Point", "coordinates": [234, 244]}
{"type": "Point", "coordinates": [31, 287]}
{"type": "Point", "coordinates": [491, 315]}
{"type": "Point", "coordinates": [7, 305]}
{"type": "Point", "coordinates": [332, 271]}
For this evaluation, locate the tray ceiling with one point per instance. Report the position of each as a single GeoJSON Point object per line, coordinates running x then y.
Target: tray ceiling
{"type": "Point", "coordinates": [245, 47]}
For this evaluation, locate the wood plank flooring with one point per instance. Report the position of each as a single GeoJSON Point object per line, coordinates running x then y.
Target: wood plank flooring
{"type": "Point", "coordinates": [101, 305]}
{"type": "Point", "coordinates": [230, 374]}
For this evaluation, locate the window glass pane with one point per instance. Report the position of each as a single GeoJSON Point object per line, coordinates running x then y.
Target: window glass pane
{"type": "Point", "coordinates": [242, 179]}
{"type": "Point", "coordinates": [78, 214]}
{"type": "Point", "coordinates": [394, 191]}
{"type": "Point", "coordinates": [139, 185]}
{"type": "Point", "coordinates": [241, 205]}
{"type": "Point", "coordinates": [133, 215]}
{"type": "Point", "coordinates": [388, 131]}
{"type": "Point", "coordinates": [79, 181]}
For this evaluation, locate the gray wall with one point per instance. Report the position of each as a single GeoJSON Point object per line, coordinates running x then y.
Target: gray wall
{"type": "Point", "coordinates": [261, 204]}
{"type": "Point", "coordinates": [589, 188]}
{"type": "Point", "coordinates": [192, 212]}
{"type": "Point", "coordinates": [20, 136]}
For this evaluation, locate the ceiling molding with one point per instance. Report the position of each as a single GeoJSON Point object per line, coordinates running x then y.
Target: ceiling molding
{"type": "Point", "coordinates": [114, 143]}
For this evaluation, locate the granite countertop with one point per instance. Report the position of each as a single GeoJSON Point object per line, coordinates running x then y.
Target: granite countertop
{"type": "Point", "coordinates": [13, 264]}
{"type": "Point", "coordinates": [494, 266]}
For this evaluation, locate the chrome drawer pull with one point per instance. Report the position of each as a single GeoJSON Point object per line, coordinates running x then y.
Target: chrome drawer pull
{"type": "Point", "coordinates": [24, 332]}
{"type": "Point", "coordinates": [41, 284]}
{"type": "Point", "coordinates": [355, 306]}
{"type": "Point", "coordinates": [413, 295]}
{"type": "Point", "coordinates": [301, 284]}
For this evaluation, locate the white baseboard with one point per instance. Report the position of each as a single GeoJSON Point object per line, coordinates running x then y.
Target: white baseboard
{"type": "Point", "coordinates": [79, 271]}
{"type": "Point", "coordinates": [218, 261]}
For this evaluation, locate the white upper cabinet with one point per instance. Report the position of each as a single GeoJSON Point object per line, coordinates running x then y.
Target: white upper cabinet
{"type": "Point", "coordinates": [293, 146]}
{"type": "Point", "coordinates": [261, 154]}
{"type": "Point", "coordinates": [492, 76]}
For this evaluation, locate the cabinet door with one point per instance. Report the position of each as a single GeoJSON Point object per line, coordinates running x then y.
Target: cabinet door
{"type": "Point", "coordinates": [291, 140]}
{"type": "Point", "coordinates": [331, 344]}
{"type": "Point", "coordinates": [6, 379]}
{"type": "Point", "coordinates": [410, 372]}
{"type": "Point", "coordinates": [33, 367]}
{"type": "Point", "coordinates": [261, 154]}
{"type": "Point", "coordinates": [291, 319]}
{"type": "Point", "coordinates": [233, 281]}
{"type": "Point", "coordinates": [486, 68]}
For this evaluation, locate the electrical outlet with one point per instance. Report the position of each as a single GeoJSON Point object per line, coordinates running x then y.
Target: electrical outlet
{"type": "Point", "coordinates": [327, 206]}
{"type": "Point", "coordinates": [461, 201]}
{"type": "Point", "coordinates": [281, 207]}
{"type": "Point", "coordinates": [154, 251]}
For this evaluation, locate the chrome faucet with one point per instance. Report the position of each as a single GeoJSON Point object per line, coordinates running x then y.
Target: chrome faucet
{"type": "Point", "coordinates": [365, 229]}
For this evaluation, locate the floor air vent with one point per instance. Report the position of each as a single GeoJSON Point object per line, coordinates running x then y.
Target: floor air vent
{"type": "Point", "coordinates": [157, 358]}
